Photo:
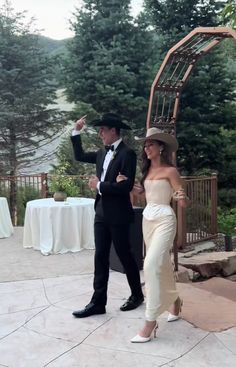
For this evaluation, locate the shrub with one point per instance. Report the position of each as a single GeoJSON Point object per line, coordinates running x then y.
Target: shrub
{"type": "Point", "coordinates": [227, 221]}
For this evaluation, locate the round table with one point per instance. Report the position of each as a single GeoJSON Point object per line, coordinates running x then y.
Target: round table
{"type": "Point", "coordinates": [6, 227]}
{"type": "Point", "coordinates": [58, 227]}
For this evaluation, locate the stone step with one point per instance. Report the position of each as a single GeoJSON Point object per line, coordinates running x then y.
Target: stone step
{"type": "Point", "coordinates": [211, 263]}
{"type": "Point", "coordinates": [196, 248]}
{"type": "Point", "coordinates": [220, 287]}
{"type": "Point", "coordinates": [205, 309]}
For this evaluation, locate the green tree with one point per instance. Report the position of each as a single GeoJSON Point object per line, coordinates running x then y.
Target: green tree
{"type": "Point", "coordinates": [227, 192]}
{"type": "Point", "coordinates": [228, 14]}
{"type": "Point", "coordinates": [207, 107]}
{"type": "Point", "coordinates": [176, 18]}
{"type": "Point", "coordinates": [110, 59]}
{"type": "Point", "coordinates": [27, 89]}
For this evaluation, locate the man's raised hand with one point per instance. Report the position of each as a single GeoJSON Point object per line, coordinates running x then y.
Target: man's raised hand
{"type": "Point", "coordinates": [80, 123]}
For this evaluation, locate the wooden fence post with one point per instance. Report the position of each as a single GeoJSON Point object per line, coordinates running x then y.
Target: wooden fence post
{"type": "Point", "coordinates": [214, 228]}
{"type": "Point", "coordinates": [44, 183]}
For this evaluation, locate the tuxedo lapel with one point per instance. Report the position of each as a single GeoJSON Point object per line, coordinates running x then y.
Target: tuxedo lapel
{"type": "Point", "coordinates": [100, 164]}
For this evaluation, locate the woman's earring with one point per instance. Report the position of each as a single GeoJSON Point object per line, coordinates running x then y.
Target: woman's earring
{"type": "Point", "coordinates": [161, 150]}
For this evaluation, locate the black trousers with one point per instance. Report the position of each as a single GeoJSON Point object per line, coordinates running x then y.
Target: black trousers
{"type": "Point", "coordinates": [105, 234]}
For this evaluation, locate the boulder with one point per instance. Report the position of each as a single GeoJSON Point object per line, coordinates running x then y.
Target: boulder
{"type": "Point", "coordinates": [211, 264]}
{"type": "Point", "coordinates": [184, 275]}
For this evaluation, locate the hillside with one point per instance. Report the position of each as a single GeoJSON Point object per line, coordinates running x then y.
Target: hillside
{"type": "Point", "coordinates": [53, 47]}
{"type": "Point", "coordinates": [46, 155]}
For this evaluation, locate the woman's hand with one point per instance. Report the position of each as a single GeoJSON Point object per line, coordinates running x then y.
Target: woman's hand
{"type": "Point", "coordinates": [121, 177]}
{"type": "Point", "coordinates": [137, 189]}
{"type": "Point", "coordinates": [178, 185]}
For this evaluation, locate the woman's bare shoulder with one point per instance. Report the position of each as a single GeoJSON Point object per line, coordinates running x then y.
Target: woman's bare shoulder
{"type": "Point", "coordinates": [171, 171]}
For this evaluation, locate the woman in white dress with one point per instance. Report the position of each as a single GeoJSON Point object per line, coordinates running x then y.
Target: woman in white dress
{"type": "Point", "coordinates": [161, 182]}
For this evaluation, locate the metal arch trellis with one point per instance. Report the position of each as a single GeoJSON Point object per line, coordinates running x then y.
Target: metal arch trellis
{"type": "Point", "coordinates": [174, 72]}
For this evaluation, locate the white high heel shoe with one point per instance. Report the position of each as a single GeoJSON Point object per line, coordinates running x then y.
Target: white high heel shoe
{"type": "Point", "coordinates": [171, 317]}
{"type": "Point", "coordinates": [142, 339]}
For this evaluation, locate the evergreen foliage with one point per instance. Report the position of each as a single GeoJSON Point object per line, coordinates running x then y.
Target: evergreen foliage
{"type": "Point", "coordinates": [53, 47]}
{"type": "Point", "coordinates": [206, 122]}
{"type": "Point", "coordinates": [27, 88]}
{"type": "Point", "coordinates": [110, 60]}
{"type": "Point", "coordinates": [176, 18]}
{"type": "Point", "coordinates": [228, 14]}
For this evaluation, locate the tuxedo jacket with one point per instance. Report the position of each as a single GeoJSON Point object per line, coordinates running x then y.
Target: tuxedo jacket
{"type": "Point", "coordinates": [116, 204]}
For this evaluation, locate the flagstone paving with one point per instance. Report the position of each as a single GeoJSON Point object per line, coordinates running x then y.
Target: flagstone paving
{"type": "Point", "coordinates": [37, 329]}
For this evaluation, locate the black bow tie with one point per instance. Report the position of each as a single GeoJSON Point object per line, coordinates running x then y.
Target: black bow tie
{"type": "Point", "coordinates": [109, 147]}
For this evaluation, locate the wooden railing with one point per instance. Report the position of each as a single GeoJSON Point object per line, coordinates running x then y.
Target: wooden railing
{"type": "Point", "coordinates": [196, 223]}
{"type": "Point", "coordinates": [20, 189]}
{"type": "Point", "coordinates": [199, 221]}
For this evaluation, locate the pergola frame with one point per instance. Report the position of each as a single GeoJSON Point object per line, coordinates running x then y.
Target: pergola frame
{"type": "Point", "coordinates": [175, 71]}
{"type": "Point", "coordinates": [164, 105]}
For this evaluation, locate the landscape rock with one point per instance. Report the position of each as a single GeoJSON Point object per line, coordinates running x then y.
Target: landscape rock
{"type": "Point", "coordinates": [197, 248]}
{"type": "Point", "coordinates": [211, 264]}
{"type": "Point", "coordinates": [219, 286]}
{"type": "Point", "coordinates": [184, 275]}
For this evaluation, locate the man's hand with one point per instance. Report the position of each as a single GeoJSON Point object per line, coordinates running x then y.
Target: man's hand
{"type": "Point", "coordinates": [93, 181]}
{"type": "Point", "coordinates": [121, 177]}
{"type": "Point", "coordinates": [80, 123]}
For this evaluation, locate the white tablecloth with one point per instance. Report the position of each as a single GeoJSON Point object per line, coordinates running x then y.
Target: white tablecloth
{"type": "Point", "coordinates": [59, 227]}
{"type": "Point", "coordinates": [6, 227]}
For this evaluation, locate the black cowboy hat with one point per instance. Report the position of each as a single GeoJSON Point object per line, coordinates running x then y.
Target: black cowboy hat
{"type": "Point", "coordinates": [110, 120]}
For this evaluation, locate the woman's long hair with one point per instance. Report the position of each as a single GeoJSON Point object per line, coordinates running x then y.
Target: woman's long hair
{"type": "Point", "coordinates": [145, 162]}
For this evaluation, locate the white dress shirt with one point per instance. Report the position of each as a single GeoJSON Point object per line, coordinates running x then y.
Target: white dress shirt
{"type": "Point", "coordinates": [109, 156]}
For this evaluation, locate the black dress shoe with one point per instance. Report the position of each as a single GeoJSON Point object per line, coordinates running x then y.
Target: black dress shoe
{"type": "Point", "coordinates": [89, 310]}
{"type": "Point", "coordinates": [132, 303]}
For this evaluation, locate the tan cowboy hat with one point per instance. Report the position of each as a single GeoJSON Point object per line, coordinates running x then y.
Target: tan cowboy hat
{"type": "Point", "coordinates": [156, 134]}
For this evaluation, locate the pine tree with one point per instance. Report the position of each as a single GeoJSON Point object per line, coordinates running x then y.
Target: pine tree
{"type": "Point", "coordinates": [208, 101]}
{"type": "Point", "coordinates": [228, 14]}
{"type": "Point", "coordinates": [174, 19]}
{"type": "Point", "coordinates": [27, 88]}
{"type": "Point", "coordinates": [110, 59]}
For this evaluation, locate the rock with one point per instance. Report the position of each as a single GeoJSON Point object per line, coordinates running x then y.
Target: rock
{"type": "Point", "coordinates": [200, 247]}
{"type": "Point", "coordinates": [220, 286]}
{"type": "Point", "coordinates": [232, 278]}
{"type": "Point", "coordinates": [211, 264]}
{"type": "Point", "coordinates": [207, 310]}
{"type": "Point", "coordinates": [184, 275]}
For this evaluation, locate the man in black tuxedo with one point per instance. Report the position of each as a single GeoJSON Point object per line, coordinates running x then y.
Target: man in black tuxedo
{"type": "Point", "coordinates": [113, 209]}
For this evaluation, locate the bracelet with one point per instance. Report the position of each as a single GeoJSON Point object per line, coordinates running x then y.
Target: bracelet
{"type": "Point", "coordinates": [180, 195]}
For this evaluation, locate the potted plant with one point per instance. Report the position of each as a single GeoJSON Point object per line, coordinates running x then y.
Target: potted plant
{"type": "Point", "coordinates": [63, 185]}
{"type": "Point", "coordinates": [227, 226]}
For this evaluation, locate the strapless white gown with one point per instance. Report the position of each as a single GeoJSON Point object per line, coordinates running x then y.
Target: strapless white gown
{"type": "Point", "coordinates": [159, 228]}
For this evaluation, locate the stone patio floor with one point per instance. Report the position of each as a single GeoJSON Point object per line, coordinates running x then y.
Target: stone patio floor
{"type": "Point", "coordinates": [38, 294]}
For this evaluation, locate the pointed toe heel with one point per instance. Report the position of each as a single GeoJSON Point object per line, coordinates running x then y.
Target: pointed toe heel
{"type": "Point", "coordinates": [142, 339]}
{"type": "Point", "coordinates": [171, 317]}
